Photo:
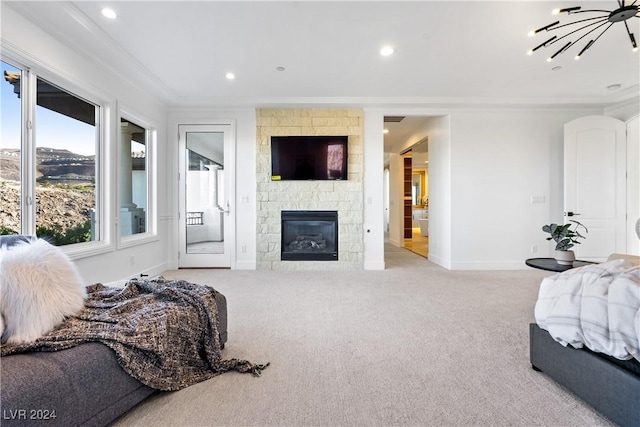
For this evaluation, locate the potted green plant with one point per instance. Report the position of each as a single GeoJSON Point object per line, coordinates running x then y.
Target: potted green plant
{"type": "Point", "coordinates": [566, 236]}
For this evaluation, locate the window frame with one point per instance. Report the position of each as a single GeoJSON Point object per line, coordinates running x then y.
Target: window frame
{"type": "Point", "coordinates": [30, 73]}
{"type": "Point", "coordinates": [151, 224]}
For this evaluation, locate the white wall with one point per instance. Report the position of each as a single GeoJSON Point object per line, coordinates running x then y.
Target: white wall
{"type": "Point", "coordinates": [633, 185]}
{"type": "Point", "coordinates": [500, 159]}
{"type": "Point", "coordinates": [485, 164]}
{"type": "Point", "coordinates": [374, 192]}
{"type": "Point", "coordinates": [628, 112]}
{"type": "Point", "coordinates": [440, 229]}
{"type": "Point", "coordinates": [396, 202]}
{"type": "Point", "coordinates": [24, 42]}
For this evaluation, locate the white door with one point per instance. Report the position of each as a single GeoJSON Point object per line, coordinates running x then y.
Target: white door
{"type": "Point", "coordinates": [595, 183]}
{"type": "Point", "coordinates": [633, 185]}
{"type": "Point", "coordinates": [206, 175]}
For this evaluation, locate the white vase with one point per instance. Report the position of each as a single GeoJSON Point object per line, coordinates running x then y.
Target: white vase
{"type": "Point", "coordinates": [565, 257]}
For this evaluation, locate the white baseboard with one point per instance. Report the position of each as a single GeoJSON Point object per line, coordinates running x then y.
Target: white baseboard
{"type": "Point", "coordinates": [374, 265]}
{"type": "Point", "coordinates": [246, 265]}
{"type": "Point", "coordinates": [442, 262]}
{"type": "Point", "coordinates": [394, 242]}
{"type": "Point", "coordinates": [490, 265]}
{"type": "Point", "coordinates": [149, 273]}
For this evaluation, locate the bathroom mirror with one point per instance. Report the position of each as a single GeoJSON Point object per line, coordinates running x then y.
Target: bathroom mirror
{"type": "Point", "coordinates": [418, 180]}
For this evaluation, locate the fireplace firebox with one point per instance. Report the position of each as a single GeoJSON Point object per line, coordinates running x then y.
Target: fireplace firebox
{"type": "Point", "coordinates": [309, 236]}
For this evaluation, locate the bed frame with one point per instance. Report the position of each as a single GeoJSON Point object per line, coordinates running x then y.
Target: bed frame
{"type": "Point", "coordinates": [612, 387]}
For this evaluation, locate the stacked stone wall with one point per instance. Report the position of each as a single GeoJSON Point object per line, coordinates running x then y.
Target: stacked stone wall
{"type": "Point", "coordinates": [345, 197]}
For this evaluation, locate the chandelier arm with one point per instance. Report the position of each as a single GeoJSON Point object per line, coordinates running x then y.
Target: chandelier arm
{"type": "Point", "coordinates": [601, 23]}
{"type": "Point", "coordinates": [590, 10]}
{"type": "Point", "coordinates": [562, 49]}
{"type": "Point", "coordinates": [592, 42]}
{"type": "Point", "coordinates": [577, 22]}
{"type": "Point", "coordinates": [592, 30]}
{"type": "Point", "coordinates": [603, 31]}
{"type": "Point", "coordinates": [634, 45]}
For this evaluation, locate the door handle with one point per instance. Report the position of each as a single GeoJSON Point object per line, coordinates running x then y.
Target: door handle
{"type": "Point", "coordinates": [571, 214]}
{"type": "Point", "coordinates": [227, 211]}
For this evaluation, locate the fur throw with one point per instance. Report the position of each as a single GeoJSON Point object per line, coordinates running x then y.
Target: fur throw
{"type": "Point", "coordinates": [39, 288]}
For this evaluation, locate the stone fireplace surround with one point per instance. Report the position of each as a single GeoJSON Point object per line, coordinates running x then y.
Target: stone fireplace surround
{"type": "Point", "coordinates": [345, 197]}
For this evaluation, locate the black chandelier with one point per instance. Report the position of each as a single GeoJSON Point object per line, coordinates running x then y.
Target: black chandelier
{"type": "Point", "coordinates": [598, 22]}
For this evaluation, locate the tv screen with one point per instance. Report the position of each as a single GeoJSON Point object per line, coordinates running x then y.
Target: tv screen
{"type": "Point", "coordinates": [309, 158]}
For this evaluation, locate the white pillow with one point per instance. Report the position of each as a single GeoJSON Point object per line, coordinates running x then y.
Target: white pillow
{"type": "Point", "coordinates": [39, 287]}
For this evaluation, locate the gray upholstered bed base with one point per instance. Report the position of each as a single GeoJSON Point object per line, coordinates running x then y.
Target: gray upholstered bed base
{"type": "Point", "coordinates": [609, 388]}
{"type": "Point", "coordinates": [83, 385]}
{"type": "Point", "coordinates": [80, 386]}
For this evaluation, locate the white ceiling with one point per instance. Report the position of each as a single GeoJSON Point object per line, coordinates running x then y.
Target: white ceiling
{"type": "Point", "coordinates": [453, 52]}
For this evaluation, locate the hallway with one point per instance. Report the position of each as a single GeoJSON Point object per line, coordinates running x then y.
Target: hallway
{"type": "Point", "coordinates": [418, 243]}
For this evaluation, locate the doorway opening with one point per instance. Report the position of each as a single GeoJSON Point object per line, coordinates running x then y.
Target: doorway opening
{"type": "Point", "coordinates": [407, 182]}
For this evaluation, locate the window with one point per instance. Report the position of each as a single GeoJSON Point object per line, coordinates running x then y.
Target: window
{"type": "Point", "coordinates": [10, 152]}
{"type": "Point", "coordinates": [133, 178]}
{"type": "Point", "coordinates": [136, 190]}
{"type": "Point", "coordinates": [49, 160]}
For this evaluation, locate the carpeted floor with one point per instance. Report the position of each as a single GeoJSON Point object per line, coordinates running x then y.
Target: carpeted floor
{"type": "Point", "coordinates": [412, 345]}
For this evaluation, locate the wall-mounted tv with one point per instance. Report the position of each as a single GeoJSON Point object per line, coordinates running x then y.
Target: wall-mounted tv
{"type": "Point", "coordinates": [309, 158]}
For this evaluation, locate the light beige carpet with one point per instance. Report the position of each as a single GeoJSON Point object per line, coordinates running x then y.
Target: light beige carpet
{"type": "Point", "coordinates": [412, 345]}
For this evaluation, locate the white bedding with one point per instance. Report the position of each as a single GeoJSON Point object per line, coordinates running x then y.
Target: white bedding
{"type": "Point", "coordinates": [597, 306]}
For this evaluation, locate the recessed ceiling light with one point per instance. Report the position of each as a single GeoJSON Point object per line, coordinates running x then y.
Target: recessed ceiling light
{"type": "Point", "coordinates": [614, 86]}
{"type": "Point", "coordinates": [109, 13]}
{"type": "Point", "coordinates": [556, 68]}
{"type": "Point", "coordinates": [386, 51]}
{"type": "Point", "coordinates": [385, 130]}
{"type": "Point", "coordinates": [280, 68]}
{"type": "Point", "coordinates": [230, 76]}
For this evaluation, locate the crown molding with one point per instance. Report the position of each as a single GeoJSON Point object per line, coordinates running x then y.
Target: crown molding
{"type": "Point", "coordinates": [109, 54]}
{"type": "Point", "coordinates": [401, 102]}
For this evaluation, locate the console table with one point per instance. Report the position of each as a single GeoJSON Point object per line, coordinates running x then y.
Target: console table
{"type": "Point", "coordinates": [550, 264]}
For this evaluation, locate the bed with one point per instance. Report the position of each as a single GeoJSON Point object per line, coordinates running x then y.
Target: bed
{"type": "Point", "coordinates": [90, 364]}
{"type": "Point", "coordinates": [595, 357]}
{"type": "Point", "coordinates": [609, 385]}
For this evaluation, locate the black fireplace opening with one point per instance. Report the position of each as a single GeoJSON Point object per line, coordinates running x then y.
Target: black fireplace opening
{"type": "Point", "coordinates": [309, 236]}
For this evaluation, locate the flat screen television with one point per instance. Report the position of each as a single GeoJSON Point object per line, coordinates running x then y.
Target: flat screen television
{"type": "Point", "coordinates": [302, 158]}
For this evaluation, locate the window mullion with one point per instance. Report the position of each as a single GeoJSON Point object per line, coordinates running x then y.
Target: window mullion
{"type": "Point", "coordinates": [29, 93]}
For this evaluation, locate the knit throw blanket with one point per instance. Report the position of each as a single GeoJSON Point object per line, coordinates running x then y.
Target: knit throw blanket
{"type": "Point", "coordinates": [164, 332]}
